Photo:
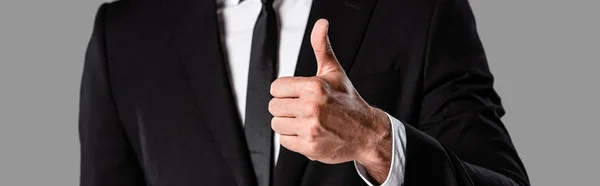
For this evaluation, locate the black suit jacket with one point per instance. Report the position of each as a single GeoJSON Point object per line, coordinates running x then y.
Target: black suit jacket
{"type": "Point", "coordinates": [157, 106]}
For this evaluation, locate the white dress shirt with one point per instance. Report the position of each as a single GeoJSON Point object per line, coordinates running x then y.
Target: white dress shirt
{"type": "Point", "coordinates": [237, 19]}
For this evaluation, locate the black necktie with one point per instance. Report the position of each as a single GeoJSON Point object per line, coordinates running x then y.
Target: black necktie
{"type": "Point", "coordinates": [262, 72]}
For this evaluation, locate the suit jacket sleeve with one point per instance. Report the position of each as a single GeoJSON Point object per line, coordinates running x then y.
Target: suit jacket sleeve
{"type": "Point", "coordinates": [107, 157]}
{"type": "Point", "coordinates": [459, 139]}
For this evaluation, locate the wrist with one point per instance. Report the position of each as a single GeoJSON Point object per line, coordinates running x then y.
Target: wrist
{"type": "Point", "coordinates": [376, 153]}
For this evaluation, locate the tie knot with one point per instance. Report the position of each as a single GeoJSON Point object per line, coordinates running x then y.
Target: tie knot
{"type": "Point", "coordinates": [267, 2]}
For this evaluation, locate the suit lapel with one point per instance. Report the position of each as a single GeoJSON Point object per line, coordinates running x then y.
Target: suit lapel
{"type": "Point", "coordinates": [196, 42]}
{"type": "Point", "coordinates": [348, 21]}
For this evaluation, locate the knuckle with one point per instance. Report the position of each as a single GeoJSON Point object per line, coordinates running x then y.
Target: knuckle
{"type": "Point", "coordinates": [272, 105]}
{"type": "Point", "coordinates": [317, 86]}
{"type": "Point", "coordinates": [273, 88]}
{"type": "Point", "coordinates": [314, 129]}
{"type": "Point", "coordinates": [323, 99]}
{"type": "Point", "coordinates": [313, 109]}
{"type": "Point", "coordinates": [274, 123]}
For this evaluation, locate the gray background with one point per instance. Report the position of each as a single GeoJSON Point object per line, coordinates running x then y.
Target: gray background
{"type": "Point", "coordinates": [541, 51]}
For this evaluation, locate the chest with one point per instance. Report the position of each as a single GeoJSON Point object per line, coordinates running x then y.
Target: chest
{"type": "Point", "coordinates": [172, 74]}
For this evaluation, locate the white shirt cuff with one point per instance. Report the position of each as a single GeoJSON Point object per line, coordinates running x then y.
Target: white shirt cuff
{"type": "Point", "coordinates": [396, 174]}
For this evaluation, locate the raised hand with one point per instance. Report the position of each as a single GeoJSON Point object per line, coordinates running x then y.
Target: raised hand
{"type": "Point", "coordinates": [324, 118]}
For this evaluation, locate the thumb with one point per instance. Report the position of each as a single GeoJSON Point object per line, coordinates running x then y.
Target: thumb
{"type": "Point", "coordinates": [326, 60]}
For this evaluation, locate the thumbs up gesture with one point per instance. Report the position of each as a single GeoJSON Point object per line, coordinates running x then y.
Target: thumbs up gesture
{"type": "Point", "coordinates": [324, 118]}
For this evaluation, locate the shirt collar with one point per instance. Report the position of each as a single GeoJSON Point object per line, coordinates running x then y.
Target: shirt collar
{"type": "Point", "coordinates": [230, 2]}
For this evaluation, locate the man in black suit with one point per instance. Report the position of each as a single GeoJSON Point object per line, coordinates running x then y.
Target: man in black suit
{"type": "Point", "coordinates": [406, 99]}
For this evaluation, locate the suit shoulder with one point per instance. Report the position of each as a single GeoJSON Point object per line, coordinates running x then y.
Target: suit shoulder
{"type": "Point", "coordinates": [117, 9]}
